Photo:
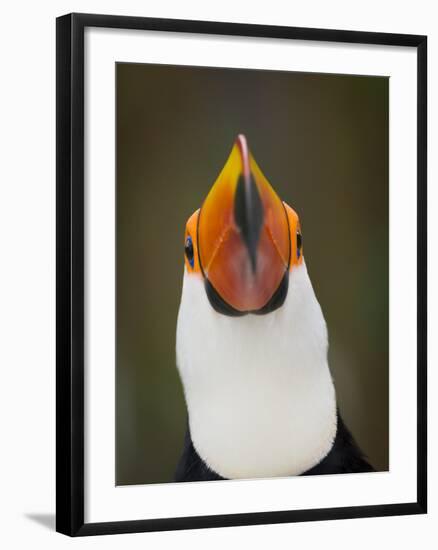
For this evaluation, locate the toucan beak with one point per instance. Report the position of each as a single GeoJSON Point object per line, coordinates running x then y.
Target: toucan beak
{"type": "Point", "coordinates": [243, 234]}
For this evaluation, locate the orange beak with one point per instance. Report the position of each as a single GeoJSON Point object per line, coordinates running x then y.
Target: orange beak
{"type": "Point", "coordinates": [243, 235]}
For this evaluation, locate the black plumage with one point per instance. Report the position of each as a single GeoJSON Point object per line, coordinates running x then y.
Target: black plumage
{"type": "Point", "coordinates": [343, 458]}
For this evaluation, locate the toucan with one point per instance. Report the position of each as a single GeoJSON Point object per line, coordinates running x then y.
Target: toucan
{"type": "Point", "coordinates": [252, 342]}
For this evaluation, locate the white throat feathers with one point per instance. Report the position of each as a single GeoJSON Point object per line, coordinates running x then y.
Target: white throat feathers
{"type": "Point", "coordinates": [259, 393]}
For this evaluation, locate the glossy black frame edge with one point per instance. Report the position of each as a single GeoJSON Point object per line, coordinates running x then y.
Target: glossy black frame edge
{"type": "Point", "coordinates": [70, 273]}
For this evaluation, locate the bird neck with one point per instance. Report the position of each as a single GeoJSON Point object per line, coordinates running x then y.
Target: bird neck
{"type": "Point", "coordinates": [259, 394]}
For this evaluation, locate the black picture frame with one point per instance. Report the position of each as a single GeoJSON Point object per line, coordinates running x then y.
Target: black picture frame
{"type": "Point", "coordinates": [70, 273]}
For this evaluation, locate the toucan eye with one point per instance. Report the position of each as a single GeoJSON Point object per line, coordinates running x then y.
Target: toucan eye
{"type": "Point", "coordinates": [188, 247]}
{"type": "Point", "coordinates": [299, 244]}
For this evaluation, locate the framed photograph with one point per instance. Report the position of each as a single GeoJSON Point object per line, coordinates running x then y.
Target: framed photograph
{"type": "Point", "coordinates": [241, 274]}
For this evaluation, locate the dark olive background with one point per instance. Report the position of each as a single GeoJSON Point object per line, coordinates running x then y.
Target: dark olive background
{"type": "Point", "coordinates": [322, 142]}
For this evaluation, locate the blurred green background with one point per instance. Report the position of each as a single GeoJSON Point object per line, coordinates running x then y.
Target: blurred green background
{"type": "Point", "coordinates": [322, 142]}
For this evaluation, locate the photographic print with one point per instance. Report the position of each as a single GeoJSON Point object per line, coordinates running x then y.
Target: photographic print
{"type": "Point", "coordinates": [241, 274]}
{"type": "Point", "coordinates": [252, 265]}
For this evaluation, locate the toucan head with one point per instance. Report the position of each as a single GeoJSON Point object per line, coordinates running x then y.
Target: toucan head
{"type": "Point", "coordinates": [244, 240]}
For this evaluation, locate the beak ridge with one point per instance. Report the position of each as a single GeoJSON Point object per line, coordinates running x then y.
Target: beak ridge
{"type": "Point", "coordinates": [248, 215]}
